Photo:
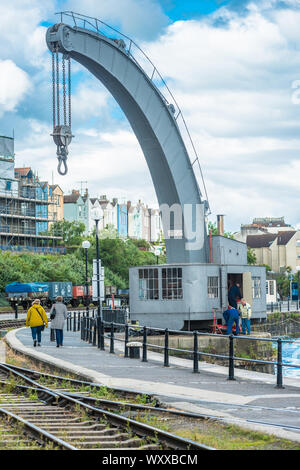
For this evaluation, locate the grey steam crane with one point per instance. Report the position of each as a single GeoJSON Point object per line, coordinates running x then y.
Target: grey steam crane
{"type": "Point", "coordinates": [187, 291]}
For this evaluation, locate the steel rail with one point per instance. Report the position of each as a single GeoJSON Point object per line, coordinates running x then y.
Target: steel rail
{"type": "Point", "coordinates": [141, 429]}
{"type": "Point", "coordinates": [120, 406]}
{"type": "Point", "coordinates": [36, 431]}
{"type": "Point", "coordinates": [78, 382]}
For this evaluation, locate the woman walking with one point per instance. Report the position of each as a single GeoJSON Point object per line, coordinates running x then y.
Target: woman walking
{"type": "Point", "coordinates": [36, 319]}
{"type": "Point", "coordinates": [58, 315]}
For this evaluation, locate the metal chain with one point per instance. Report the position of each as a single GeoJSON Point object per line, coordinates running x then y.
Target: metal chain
{"type": "Point", "coordinates": [53, 87]}
{"type": "Point", "coordinates": [64, 90]}
{"type": "Point", "coordinates": [57, 87]}
{"type": "Point", "coordinates": [69, 88]}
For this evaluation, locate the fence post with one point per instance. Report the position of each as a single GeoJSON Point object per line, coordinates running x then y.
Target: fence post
{"type": "Point", "coordinates": [166, 358]}
{"type": "Point", "coordinates": [90, 331]}
{"type": "Point", "coordinates": [231, 358]}
{"type": "Point", "coordinates": [94, 331]}
{"type": "Point", "coordinates": [196, 364]}
{"type": "Point", "coordinates": [74, 322]}
{"type": "Point", "coordinates": [86, 328]}
{"type": "Point", "coordinates": [126, 340]}
{"type": "Point", "coordinates": [144, 344]}
{"type": "Point", "coordinates": [271, 307]}
{"type": "Point", "coordinates": [82, 327]}
{"type": "Point", "coordinates": [279, 363]}
{"type": "Point", "coordinates": [102, 336]}
{"type": "Point", "coordinates": [112, 349]}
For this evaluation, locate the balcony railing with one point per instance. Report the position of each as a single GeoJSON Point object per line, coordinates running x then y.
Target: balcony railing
{"type": "Point", "coordinates": [36, 249]}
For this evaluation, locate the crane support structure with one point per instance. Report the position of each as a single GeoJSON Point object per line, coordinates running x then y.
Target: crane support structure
{"type": "Point", "coordinates": [154, 122]}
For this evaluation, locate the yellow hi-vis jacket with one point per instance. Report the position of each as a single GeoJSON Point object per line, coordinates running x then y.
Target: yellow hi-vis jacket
{"type": "Point", "coordinates": [245, 311]}
{"type": "Point", "coordinates": [34, 318]}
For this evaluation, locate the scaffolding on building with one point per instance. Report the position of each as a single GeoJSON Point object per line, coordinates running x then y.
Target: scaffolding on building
{"type": "Point", "coordinates": [24, 214]}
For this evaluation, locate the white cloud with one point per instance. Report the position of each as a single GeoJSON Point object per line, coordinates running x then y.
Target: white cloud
{"type": "Point", "coordinates": [132, 16]}
{"type": "Point", "coordinates": [14, 84]}
{"type": "Point", "coordinates": [233, 84]}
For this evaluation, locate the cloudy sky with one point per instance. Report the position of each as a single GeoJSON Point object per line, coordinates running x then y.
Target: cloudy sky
{"type": "Point", "coordinates": [233, 66]}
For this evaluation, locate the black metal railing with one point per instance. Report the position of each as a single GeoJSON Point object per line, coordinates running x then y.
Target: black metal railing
{"type": "Point", "coordinates": [283, 306]}
{"type": "Point", "coordinates": [95, 331]}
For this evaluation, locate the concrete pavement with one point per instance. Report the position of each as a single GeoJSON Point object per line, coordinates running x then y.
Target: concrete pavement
{"type": "Point", "coordinates": [252, 396]}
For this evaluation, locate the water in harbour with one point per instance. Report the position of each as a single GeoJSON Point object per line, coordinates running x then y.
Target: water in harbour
{"type": "Point", "coordinates": [291, 355]}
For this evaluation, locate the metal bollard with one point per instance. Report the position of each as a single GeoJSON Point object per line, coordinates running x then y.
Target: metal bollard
{"type": "Point", "coordinates": [166, 355]}
{"type": "Point", "coordinates": [196, 364]}
{"type": "Point", "coordinates": [78, 324]}
{"type": "Point", "coordinates": [126, 354]}
{"type": "Point", "coordinates": [279, 364]}
{"type": "Point", "coordinates": [231, 358]}
{"type": "Point", "coordinates": [112, 337]}
{"type": "Point", "coordinates": [144, 344]}
{"type": "Point", "coordinates": [68, 322]}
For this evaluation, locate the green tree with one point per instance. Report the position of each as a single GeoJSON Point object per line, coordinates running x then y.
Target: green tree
{"type": "Point", "coordinates": [214, 230]}
{"type": "Point", "coordinates": [251, 257]}
{"type": "Point", "coordinates": [72, 232]}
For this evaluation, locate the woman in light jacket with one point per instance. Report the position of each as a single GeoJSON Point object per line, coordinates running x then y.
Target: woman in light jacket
{"type": "Point", "coordinates": [61, 313]}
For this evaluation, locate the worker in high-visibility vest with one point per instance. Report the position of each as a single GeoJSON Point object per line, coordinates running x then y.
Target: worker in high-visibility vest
{"type": "Point", "coordinates": [245, 312]}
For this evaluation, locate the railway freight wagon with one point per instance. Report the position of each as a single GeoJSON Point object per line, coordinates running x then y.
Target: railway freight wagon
{"type": "Point", "coordinates": [79, 296]}
{"type": "Point", "coordinates": [19, 293]}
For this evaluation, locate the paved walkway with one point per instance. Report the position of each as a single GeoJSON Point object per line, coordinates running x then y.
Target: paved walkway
{"type": "Point", "coordinates": [208, 392]}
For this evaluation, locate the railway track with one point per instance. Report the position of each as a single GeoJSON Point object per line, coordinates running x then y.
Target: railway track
{"type": "Point", "coordinates": [67, 421]}
{"type": "Point", "coordinates": [5, 324]}
{"type": "Point", "coordinates": [125, 406]}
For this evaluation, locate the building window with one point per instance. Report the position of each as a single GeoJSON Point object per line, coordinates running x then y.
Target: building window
{"type": "Point", "coordinates": [213, 287]}
{"type": "Point", "coordinates": [272, 288]}
{"type": "Point", "coordinates": [148, 284]}
{"type": "Point", "coordinates": [267, 287]}
{"type": "Point", "coordinates": [8, 186]}
{"type": "Point", "coordinates": [256, 287]}
{"type": "Point", "coordinates": [172, 284]}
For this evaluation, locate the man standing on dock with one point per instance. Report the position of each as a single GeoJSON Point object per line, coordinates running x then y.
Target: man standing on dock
{"type": "Point", "coordinates": [245, 311]}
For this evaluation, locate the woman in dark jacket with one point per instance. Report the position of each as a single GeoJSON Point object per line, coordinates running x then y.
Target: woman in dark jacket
{"type": "Point", "coordinates": [58, 322]}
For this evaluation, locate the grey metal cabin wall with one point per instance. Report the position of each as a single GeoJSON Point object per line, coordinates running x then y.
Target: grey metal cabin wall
{"type": "Point", "coordinates": [151, 120]}
{"type": "Point", "coordinates": [228, 251]}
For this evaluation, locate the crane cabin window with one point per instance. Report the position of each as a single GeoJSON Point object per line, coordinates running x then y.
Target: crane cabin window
{"type": "Point", "coordinates": [172, 284]}
{"type": "Point", "coordinates": [213, 287]}
{"type": "Point", "coordinates": [148, 284]}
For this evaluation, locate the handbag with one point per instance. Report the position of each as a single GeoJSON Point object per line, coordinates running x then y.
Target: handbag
{"type": "Point", "coordinates": [52, 316]}
{"type": "Point", "coordinates": [43, 326]}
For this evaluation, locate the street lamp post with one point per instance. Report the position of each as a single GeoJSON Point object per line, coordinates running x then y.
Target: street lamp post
{"type": "Point", "coordinates": [157, 253]}
{"type": "Point", "coordinates": [86, 245]}
{"type": "Point", "coordinates": [97, 215]}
